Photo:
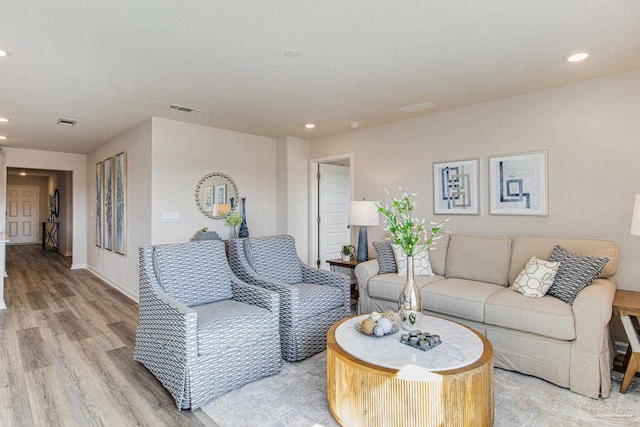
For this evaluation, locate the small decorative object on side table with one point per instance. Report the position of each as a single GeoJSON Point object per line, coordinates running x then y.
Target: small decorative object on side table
{"type": "Point", "coordinates": [347, 267]}
{"type": "Point", "coordinates": [626, 304]}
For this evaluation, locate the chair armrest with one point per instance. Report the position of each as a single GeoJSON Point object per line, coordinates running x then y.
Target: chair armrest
{"type": "Point", "coordinates": [169, 321]}
{"type": "Point", "coordinates": [330, 278]}
{"type": "Point", "coordinates": [592, 311]}
{"type": "Point", "coordinates": [365, 271]}
{"type": "Point", "coordinates": [255, 295]}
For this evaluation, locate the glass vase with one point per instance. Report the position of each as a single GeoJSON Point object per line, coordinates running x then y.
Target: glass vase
{"type": "Point", "coordinates": [410, 302]}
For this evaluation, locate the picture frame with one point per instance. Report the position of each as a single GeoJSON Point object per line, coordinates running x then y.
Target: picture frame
{"type": "Point", "coordinates": [120, 203]}
{"type": "Point", "coordinates": [518, 184]}
{"type": "Point", "coordinates": [98, 212]}
{"type": "Point", "coordinates": [220, 194]}
{"type": "Point", "coordinates": [456, 187]}
{"type": "Point", "coordinates": [108, 204]}
{"type": "Point", "coordinates": [207, 194]}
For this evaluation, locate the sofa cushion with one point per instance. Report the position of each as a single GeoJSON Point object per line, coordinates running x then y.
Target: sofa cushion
{"type": "Point", "coordinates": [388, 286]}
{"type": "Point", "coordinates": [421, 264]}
{"type": "Point", "coordinates": [314, 299]}
{"type": "Point", "coordinates": [386, 259]}
{"type": "Point", "coordinates": [458, 297]}
{"type": "Point", "coordinates": [536, 278]}
{"type": "Point", "coordinates": [189, 272]}
{"type": "Point", "coordinates": [525, 247]}
{"type": "Point", "coordinates": [547, 316]}
{"type": "Point", "coordinates": [438, 254]}
{"type": "Point", "coordinates": [274, 257]}
{"type": "Point", "coordinates": [219, 322]}
{"type": "Point", "coordinates": [576, 273]}
{"type": "Point", "coordinates": [483, 259]}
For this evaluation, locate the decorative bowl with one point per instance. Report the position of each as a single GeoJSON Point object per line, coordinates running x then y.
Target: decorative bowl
{"type": "Point", "coordinates": [394, 329]}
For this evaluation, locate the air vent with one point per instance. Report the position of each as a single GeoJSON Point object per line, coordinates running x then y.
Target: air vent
{"type": "Point", "coordinates": [67, 122]}
{"type": "Point", "coordinates": [417, 107]}
{"type": "Point", "coordinates": [183, 108]}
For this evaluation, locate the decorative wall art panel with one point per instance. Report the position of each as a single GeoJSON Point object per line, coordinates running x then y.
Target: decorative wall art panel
{"type": "Point", "coordinates": [108, 204]}
{"type": "Point", "coordinates": [98, 212]}
{"type": "Point", "coordinates": [455, 187]}
{"type": "Point", "coordinates": [120, 202]}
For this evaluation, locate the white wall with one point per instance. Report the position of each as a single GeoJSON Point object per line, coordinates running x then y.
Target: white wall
{"type": "Point", "coordinates": [122, 270]}
{"type": "Point", "coordinates": [590, 129]}
{"type": "Point", "coordinates": [183, 153]}
{"type": "Point", "coordinates": [293, 189]}
{"type": "Point", "coordinates": [74, 163]}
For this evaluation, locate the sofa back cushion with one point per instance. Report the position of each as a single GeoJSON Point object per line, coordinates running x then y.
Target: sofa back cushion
{"type": "Point", "coordinates": [526, 247]}
{"type": "Point", "coordinates": [274, 257]}
{"type": "Point", "coordinates": [194, 273]}
{"type": "Point", "coordinates": [438, 254]}
{"type": "Point", "coordinates": [484, 259]}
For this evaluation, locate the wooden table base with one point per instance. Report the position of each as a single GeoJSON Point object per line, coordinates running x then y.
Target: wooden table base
{"type": "Point", "coordinates": [361, 394]}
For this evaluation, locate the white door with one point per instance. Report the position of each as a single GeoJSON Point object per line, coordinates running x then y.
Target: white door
{"type": "Point", "coordinates": [22, 213]}
{"type": "Point", "coordinates": [334, 195]}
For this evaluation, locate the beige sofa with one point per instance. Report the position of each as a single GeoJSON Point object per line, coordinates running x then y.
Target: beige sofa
{"type": "Point", "coordinates": [568, 345]}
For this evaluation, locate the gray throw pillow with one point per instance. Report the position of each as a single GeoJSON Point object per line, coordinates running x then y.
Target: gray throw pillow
{"type": "Point", "coordinates": [386, 259]}
{"type": "Point", "coordinates": [576, 272]}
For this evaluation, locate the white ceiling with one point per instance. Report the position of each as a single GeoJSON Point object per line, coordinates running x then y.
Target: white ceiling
{"type": "Point", "coordinates": [111, 65]}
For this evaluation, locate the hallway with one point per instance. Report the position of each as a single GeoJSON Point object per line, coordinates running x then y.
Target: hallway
{"type": "Point", "coordinates": [67, 344]}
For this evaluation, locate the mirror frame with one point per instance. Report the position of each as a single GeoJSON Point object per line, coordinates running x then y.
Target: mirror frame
{"type": "Point", "coordinates": [235, 194]}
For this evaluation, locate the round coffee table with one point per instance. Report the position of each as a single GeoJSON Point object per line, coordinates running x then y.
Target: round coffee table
{"type": "Point", "coordinates": [382, 382]}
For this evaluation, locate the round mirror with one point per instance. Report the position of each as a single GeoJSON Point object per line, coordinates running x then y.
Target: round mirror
{"type": "Point", "coordinates": [217, 195]}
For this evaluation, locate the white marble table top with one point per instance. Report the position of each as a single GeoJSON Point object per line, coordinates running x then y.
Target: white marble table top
{"type": "Point", "coordinates": [460, 346]}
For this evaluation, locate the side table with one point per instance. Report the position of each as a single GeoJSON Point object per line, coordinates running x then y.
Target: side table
{"type": "Point", "coordinates": [626, 304]}
{"type": "Point", "coordinates": [50, 235]}
{"type": "Point", "coordinates": [347, 267]}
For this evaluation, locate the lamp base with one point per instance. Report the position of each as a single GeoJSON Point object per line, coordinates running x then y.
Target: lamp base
{"type": "Point", "coordinates": [363, 245]}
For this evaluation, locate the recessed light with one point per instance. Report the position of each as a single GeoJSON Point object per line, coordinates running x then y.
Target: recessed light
{"type": "Point", "coordinates": [577, 56]}
{"type": "Point", "coordinates": [354, 125]}
{"type": "Point", "coordinates": [3, 137]}
{"type": "Point", "coordinates": [2, 119]}
{"type": "Point", "coordinates": [23, 174]}
{"type": "Point", "coordinates": [292, 54]}
{"type": "Point", "coordinates": [309, 125]}
{"type": "Point", "coordinates": [4, 52]}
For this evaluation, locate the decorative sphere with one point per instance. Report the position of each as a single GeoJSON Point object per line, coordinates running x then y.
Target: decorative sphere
{"type": "Point", "coordinates": [378, 331]}
{"type": "Point", "coordinates": [375, 316]}
{"type": "Point", "coordinates": [385, 325]}
{"type": "Point", "coordinates": [367, 326]}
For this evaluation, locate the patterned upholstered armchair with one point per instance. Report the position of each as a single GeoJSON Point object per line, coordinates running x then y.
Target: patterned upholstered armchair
{"type": "Point", "coordinates": [202, 332]}
{"type": "Point", "coordinates": [311, 300]}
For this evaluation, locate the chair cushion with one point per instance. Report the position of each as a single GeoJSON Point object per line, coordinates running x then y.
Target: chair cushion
{"type": "Point", "coordinates": [275, 258]}
{"type": "Point", "coordinates": [458, 297]}
{"type": "Point", "coordinates": [388, 286]}
{"type": "Point", "coordinates": [547, 316]}
{"type": "Point", "coordinates": [222, 323]}
{"type": "Point", "coordinates": [316, 299]}
{"type": "Point", "coordinates": [194, 273]}
{"type": "Point", "coordinates": [386, 259]}
{"type": "Point", "coordinates": [576, 272]}
{"type": "Point", "coordinates": [485, 259]}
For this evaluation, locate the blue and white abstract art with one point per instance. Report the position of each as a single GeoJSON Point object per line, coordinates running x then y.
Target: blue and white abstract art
{"type": "Point", "coordinates": [455, 187]}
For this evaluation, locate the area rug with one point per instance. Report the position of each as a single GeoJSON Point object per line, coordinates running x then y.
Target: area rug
{"type": "Point", "coordinates": [296, 397]}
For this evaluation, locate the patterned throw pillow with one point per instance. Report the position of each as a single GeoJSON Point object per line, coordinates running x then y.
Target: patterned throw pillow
{"type": "Point", "coordinates": [536, 278]}
{"type": "Point", "coordinates": [421, 263]}
{"type": "Point", "coordinates": [386, 259]}
{"type": "Point", "coordinates": [576, 272]}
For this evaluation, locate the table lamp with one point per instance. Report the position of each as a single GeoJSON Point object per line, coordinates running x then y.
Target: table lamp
{"type": "Point", "coordinates": [635, 220]}
{"type": "Point", "coordinates": [363, 213]}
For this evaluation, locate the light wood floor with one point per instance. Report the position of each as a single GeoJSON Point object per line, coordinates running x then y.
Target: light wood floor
{"type": "Point", "coordinates": [67, 351]}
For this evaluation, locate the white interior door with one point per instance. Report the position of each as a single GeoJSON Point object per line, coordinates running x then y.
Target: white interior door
{"type": "Point", "coordinates": [22, 213]}
{"type": "Point", "coordinates": [334, 195]}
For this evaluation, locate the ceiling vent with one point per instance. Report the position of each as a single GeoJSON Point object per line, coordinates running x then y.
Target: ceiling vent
{"type": "Point", "coordinates": [183, 108]}
{"type": "Point", "coordinates": [67, 122]}
{"type": "Point", "coordinates": [417, 107]}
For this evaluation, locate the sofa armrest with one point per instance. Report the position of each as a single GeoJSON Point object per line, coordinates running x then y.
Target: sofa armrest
{"type": "Point", "coordinates": [255, 295]}
{"type": "Point", "coordinates": [592, 311]}
{"type": "Point", "coordinates": [365, 271]}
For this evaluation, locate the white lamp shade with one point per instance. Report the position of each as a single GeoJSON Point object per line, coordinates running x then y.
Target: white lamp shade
{"type": "Point", "coordinates": [363, 212]}
{"type": "Point", "coordinates": [635, 220]}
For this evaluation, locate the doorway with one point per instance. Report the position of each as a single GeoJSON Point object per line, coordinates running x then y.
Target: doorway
{"type": "Point", "coordinates": [330, 197]}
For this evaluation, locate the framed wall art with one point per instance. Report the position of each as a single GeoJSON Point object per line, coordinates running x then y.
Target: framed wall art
{"type": "Point", "coordinates": [108, 204]}
{"type": "Point", "coordinates": [98, 213]}
{"type": "Point", "coordinates": [456, 187]}
{"type": "Point", "coordinates": [120, 202]}
{"type": "Point", "coordinates": [518, 184]}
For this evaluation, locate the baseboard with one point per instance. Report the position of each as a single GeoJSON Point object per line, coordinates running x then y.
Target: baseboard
{"type": "Point", "coordinates": [78, 266]}
{"type": "Point", "coordinates": [3, 306]}
{"type": "Point", "coordinates": [65, 253]}
{"type": "Point", "coordinates": [113, 284]}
